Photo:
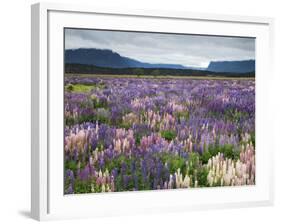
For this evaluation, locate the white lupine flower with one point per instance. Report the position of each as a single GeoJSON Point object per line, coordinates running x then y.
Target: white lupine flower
{"type": "Point", "coordinates": [91, 162]}
{"type": "Point", "coordinates": [106, 173]}
{"type": "Point", "coordinates": [126, 144]}
{"type": "Point", "coordinates": [224, 168]}
{"type": "Point", "coordinates": [97, 127]}
{"type": "Point", "coordinates": [227, 179]}
{"type": "Point", "coordinates": [103, 188]}
{"type": "Point", "coordinates": [100, 174]}
{"type": "Point", "coordinates": [108, 188]}
{"type": "Point", "coordinates": [186, 181]}
{"type": "Point", "coordinates": [228, 172]}
{"type": "Point", "coordinates": [117, 145]}
{"type": "Point", "coordinates": [170, 185]}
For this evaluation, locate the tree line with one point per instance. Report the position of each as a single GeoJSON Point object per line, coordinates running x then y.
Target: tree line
{"type": "Point", "coordinates": [91, 69]}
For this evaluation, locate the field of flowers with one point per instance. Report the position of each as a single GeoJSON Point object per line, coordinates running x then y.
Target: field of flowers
{"type": "Point", "coordinates": [130, 134]}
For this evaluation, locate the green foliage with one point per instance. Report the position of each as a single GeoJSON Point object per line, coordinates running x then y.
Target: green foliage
{"type": "Point", "coordinates": [231, 114]}
{"type": "Point", "coordinates": [169, 134]}
{"type": "Point", "coordinates": [86, 118]}
{"type": "Point", "coordinates": [227, 150]}
{"type": "Point", "coordinates": [71, 165]}
{"type": "Point", "coordinates": [139, 134]}
{"type": "Point", "coordinates": [177, 162]}
{"type": "Point", "coordinates": [235, 115]}
{"type": "Point", "coordinates": [100, 146]}
{"type": "Point", "coordinates": [155, 73]}
{"type": "Point", "coordinates": [79, 88]}
{"type": "Point", "coordinates": [69, 87]}
{"type": "Point", "coordinates": [182, 114]}
{"type": "Point", "coordinates": [69, 121]}
{"type": "Point", "coordinates": [99, 103]}
{"type": "Point", "coordinates": [193, 163]}
{"type": "Point", "coordinates": [95, 187]}
{"type": "Point", "coordinates": [102, 115]}
{"type": "Point", "coordinates": [202, 175]}
{"type": "Point", "coordinates": [138, 71]}
{"type": "Point", "coordinates": [138, 139]}
{"type": "Point", "coordinates": [124, 125]}
{"type": "Point", "coordinates": [82, 186]}
{"type": "Point", "coordinates": [206, 155]}
{"type": "Point", "coordinates": [119, 183]}
{"type": "Point", "coordinates": [253, 139]}
{"type": "Point", "coordinates": [116, 163]}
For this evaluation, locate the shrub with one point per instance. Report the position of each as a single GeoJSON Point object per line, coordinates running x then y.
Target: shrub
{"type": "Point", "coordinates": [168, 135]}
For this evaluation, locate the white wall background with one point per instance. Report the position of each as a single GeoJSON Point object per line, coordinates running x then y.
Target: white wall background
{"type": "Point", "coordinates": [15, 110]}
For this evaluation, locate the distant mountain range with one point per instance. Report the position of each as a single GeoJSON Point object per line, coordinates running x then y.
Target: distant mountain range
{"type": "Point", "coordinates": [108, 58]}
{"type": "Point", "coordinates": [232, 66]}
{"type": "Point", "coordinates": [111, 59]}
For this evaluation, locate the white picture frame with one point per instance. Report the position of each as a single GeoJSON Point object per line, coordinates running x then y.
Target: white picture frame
{"type": "Point", "coordinates": [47, 199]}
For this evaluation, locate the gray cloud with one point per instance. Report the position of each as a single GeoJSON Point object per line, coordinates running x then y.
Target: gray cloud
{"type": "Point", "coordinates": [188, 50]}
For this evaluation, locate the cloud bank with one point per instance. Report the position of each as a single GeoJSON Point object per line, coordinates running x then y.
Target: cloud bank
{"type": "Point", "coordinates": [187, 50]}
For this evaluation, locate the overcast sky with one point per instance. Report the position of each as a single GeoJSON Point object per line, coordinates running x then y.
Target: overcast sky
{"type": "Point", "coordinates": [187, 50]}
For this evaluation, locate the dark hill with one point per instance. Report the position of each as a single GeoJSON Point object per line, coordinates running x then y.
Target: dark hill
{"type": "Point", "coordinates": [232, 66]}
{"type": "Point", "coordinates": [108, 58]}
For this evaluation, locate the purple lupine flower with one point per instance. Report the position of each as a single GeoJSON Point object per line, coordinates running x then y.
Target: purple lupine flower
{"type": "Point", "coordinates": [85, 173]}
{"type": "Point", "coordinates": [69, 190]}
{"type": "Point", "coordinates": [207, 102]}
{"type": "Point", "coordinates": [125, 181]}
{"type": "Point", "coordinates": [70, 175]}
{"type": "Point", "coordinates": [136, 184]}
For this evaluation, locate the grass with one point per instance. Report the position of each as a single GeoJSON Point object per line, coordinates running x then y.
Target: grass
{"type": "Point", "coordinates": [160, 77]}
{"type": "Point", "coordinates": [80, 88]}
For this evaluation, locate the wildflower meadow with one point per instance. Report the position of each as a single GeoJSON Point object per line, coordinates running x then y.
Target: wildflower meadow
{"type": "Point", "coordinates": [137, 133]}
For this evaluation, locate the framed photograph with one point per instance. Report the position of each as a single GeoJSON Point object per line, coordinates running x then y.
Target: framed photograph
{"type": "Point", "coordinates": [138, 111]}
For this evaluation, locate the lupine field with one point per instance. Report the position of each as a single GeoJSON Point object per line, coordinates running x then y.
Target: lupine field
{"type": "Point", "coordinates": [136, 133]}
